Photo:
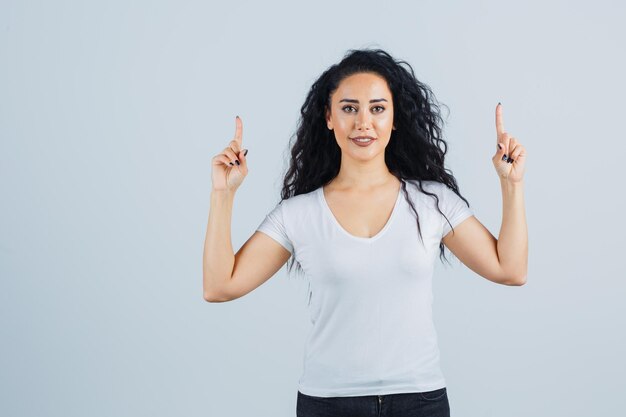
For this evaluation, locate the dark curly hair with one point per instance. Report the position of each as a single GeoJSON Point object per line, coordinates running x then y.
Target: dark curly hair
{"type": "Point", "coordinates": [414, 149]}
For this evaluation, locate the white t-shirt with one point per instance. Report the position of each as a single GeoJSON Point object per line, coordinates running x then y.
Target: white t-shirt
{"type": "Point", "coordinates": [370, 298]}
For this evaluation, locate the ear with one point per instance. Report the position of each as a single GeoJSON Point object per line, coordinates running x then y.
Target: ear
{"type": "Point", "coordinates": [329, 123]}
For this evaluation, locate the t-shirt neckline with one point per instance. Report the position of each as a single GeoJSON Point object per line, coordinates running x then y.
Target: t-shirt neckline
{"type": "Point", "coordinates": [329, 213]}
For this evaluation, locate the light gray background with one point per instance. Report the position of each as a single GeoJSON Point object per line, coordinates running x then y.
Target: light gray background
{"type": "Point", "coordinates": [110, 113]}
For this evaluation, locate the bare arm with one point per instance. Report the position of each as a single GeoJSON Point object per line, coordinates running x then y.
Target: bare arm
{"type": "Point", "coordinates": [503, 260]}
{"type": "Point", "coordinates": [227, 276]}
{"type": "Point", "coordinates": [513, 238]}
{"type": "Point", "coordinates": [218, 260]}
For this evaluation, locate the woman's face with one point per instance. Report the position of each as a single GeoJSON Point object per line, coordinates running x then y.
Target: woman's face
{"type": "Point", "coordinates": [361, 106]}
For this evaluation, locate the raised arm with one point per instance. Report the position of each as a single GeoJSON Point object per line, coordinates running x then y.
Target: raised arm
{"type": "Point", "coordinates": [505, 260]}
{"type": "Point", "coordinates": [227, 276]}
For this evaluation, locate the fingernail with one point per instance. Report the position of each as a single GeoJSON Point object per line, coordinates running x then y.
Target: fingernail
{"type": "Point", "coordinates": [500, 146]}
{"type": "Point", "coordinates": [237, 116]}
{"type": "Point", "coordinates": [237, 162]}
{"type": "Point", "coordinates": [230, 163]}
{"type": "Point", "coordinates": [245, 152]}
{"type": "Point", "coordinates": [499, 103]}
{"type": "Point", "coordinates": [504, 157]}
{"type": "Point", "coordinates": [509, 160]}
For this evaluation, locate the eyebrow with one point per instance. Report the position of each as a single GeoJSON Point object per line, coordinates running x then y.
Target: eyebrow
{"type": "Point", "coordinates": [351, 100]}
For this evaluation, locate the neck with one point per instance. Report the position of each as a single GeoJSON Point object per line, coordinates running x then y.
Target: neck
{"type": "Point", "coordinates": [363, 176]}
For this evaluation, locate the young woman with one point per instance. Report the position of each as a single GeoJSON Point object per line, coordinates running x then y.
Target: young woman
{"type": "Point", "coordinates": [365, 204]}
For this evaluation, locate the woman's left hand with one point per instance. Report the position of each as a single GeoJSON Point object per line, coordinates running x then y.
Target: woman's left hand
{"type": "Point", "coordinates": [510, 159]}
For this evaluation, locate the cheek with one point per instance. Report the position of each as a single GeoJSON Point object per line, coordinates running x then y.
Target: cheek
{"type": "Point", "coordinates": [344, 123]}
{"type": "Point", "coordinates": [387, 120]}
{"type": "Point", "coordinates": [342, 130]}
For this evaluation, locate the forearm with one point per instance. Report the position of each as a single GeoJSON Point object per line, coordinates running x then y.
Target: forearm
{"type": "Point", "coordinates": [218, 258]}
{"type": "Point", "coordinates": [513, 239]}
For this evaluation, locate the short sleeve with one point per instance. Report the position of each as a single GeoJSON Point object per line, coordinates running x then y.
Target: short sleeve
{"type": "Point", "coordinates": [274, 226]}
{"type": "Point", "coordinates": [455, 209]}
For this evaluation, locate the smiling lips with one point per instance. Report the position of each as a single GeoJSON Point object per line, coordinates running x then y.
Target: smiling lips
{"type": "Point", "coordinates": [363, 137]}
{"type": "Point", "coordinates": [363, 140]}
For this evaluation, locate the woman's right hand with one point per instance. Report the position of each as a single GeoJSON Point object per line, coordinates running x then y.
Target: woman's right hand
{"type": "Point", "coordinates": [227, 175]}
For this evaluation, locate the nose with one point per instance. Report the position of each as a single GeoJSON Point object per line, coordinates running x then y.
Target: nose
{"type": "Point", "coordinates": [363, 121]}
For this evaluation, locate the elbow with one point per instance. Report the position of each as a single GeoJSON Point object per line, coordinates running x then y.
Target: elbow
{"type": "Point", "coordinates": [211, 293]}
{"type": "Point", "coordinates": [208, 297]}
{"type": "Point", "coordinates": [215, 297]}
{"type": "Point", "coordinates": [212, 298]}
{"type": "Point", "coordinates": [521, 278]}
{"type": "Point", "coordinates": [518, 281]}
{"type": "Point", "coordinates": [512, 280]}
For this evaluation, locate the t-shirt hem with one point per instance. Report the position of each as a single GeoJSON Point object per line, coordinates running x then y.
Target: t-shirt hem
{"type": "Point", "coordinates": [395, 389]}
{"type": "Point", "coordinates": [456, 221]}
{"type": "Point", "coordinates": [277, 238]}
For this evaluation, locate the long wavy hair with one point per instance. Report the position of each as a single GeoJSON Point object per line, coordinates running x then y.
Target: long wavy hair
{"type": "Point", "coordinates": [414, 151]}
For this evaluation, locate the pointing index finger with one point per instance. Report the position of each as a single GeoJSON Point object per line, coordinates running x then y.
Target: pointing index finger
{"type": "Point", "coordinates": [499, 120]}
{"type": "Point", "coordinates": [238, 130]}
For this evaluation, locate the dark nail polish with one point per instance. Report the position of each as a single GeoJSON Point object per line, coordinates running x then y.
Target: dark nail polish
{"type": "Point", "coordinates": [509, 160]}
{"type": "Point", "coordinates": [237, 162]}
{"type": "Point", "coordinates": [504, 157]}
{"type": "Point", "coordinates": [230, 163]}
{"type": "Point", "coordinates": [245, 153]}
{"type": "Point", "coordinates": [499, 103]}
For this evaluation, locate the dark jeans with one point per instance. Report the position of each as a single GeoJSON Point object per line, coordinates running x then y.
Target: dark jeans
{"type": "Point", "coordinates": [411, 404]}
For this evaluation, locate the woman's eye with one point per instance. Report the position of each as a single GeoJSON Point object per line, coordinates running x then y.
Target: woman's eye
{"type": "Point", "coordinates": [349, 108]}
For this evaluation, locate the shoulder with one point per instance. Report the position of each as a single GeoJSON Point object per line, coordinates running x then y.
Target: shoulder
{"type": "Point", "coordinates": [300, 203]}
{"type": "Point", "coordinates": [436, 194]}
{"type": "Point", "coordinates": [427, 186]}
